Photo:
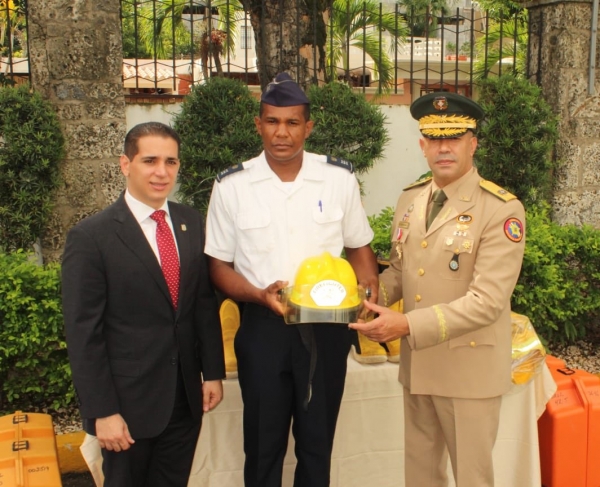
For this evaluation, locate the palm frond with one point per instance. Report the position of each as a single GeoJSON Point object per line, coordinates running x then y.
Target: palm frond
{"type": "Point", "coordinates": [358, 24]}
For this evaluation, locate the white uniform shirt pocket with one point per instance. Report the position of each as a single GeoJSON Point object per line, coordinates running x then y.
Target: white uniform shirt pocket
{"type": "Point", "coordinates": [328, 229]}
{"type": "Point", "coordinates": [255, 231]}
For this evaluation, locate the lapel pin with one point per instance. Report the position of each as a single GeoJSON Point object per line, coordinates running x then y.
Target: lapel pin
{"type": "Point", "coordinates": [183, 227]}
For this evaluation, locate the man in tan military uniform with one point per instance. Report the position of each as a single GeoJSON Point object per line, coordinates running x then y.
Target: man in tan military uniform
{"type": "Point", "coordinates": [456, 268]}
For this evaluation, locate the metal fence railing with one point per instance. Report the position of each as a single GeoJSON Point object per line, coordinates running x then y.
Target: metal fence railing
{"type": "Point", "coordinates": [169, 45]}
{"type": "Point", "coordinates": [14, 47]}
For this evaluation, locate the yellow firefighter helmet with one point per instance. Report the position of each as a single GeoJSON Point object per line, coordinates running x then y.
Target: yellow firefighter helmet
{"type": "Point", "coordinates": [324, 291]}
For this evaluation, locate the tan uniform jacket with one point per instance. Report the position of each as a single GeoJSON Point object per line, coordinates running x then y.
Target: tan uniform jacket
{"type": "Point", "coordinates": [460, 343]}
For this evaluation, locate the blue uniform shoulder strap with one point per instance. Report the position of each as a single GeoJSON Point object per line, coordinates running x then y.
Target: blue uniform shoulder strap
{"type": "Point", "coordinates": [228, 171]}
{"type": "Point", "coordinates": [336, 161]}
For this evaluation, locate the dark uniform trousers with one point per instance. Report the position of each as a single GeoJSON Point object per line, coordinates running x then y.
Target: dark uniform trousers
{"type": "Point", "coordinates": [163, 461]}
{"type": "Point", "coordinates": [273, 370]}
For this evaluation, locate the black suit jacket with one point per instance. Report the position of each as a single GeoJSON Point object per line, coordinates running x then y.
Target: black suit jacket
{"type": "Point", "coordinates": [123, 336]}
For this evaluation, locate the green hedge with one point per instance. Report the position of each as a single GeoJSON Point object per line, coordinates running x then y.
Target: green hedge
{"type": "Point", "coordinates": [216, 126]}
{"type": "Point", "coordinates": [346, 125]}
{"type": "Point", "coordinates": [381, 224]}
{"type": "Point", "coordinates": [516, 138]}
{"type": "Point", "coordinates": [34, 367]}
{"type": "Point", "coordinates": [31, 150]}
{"type": "Point", "coordinates": [559, 285]}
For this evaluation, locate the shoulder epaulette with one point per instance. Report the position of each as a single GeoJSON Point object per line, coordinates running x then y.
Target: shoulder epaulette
{"type": "Point", "coordinates": [228, 171]}
{"type": "Point", "coordinates": [496, 190]}
{"type": "Point", "coordinates": [419, 182]}
{"type": "Point", "coordinates": [336, 161]}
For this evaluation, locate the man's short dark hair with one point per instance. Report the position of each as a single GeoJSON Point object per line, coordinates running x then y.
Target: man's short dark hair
{"type": "Point", "coordinates": [130, 147]}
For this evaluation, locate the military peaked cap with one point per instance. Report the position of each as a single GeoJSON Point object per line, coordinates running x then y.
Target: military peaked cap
{"type": "Point", "coordinates": [443, 115]}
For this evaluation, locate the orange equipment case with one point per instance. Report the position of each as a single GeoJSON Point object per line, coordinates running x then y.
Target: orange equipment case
{"type": "Point", "coordinates": [569, 429]}
{"type": "Point", "coordinates": [28, 456]}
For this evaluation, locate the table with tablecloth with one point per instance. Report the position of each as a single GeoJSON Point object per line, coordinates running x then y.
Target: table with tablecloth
{"type": "Point", "coordinates": [369, 444]}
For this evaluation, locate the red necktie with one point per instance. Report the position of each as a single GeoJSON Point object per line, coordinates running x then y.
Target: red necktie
{"type": "Point", "coordinates": [169, 260]}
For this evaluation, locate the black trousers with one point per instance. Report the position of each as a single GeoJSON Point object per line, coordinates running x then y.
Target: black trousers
{"type": "Point", "coordinates": [163, 461]}
{"type": "Point", "coordinates": [273, 369]}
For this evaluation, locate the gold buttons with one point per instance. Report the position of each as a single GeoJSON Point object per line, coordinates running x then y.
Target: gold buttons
{"type": "Point", "coordinates": [421, 272]}
{"type": "Point", "coordinates": [472, 344]}
{"type": "Point", "coordinates": [418, 298]}
{"type": "Point", "coordinates": [424, 244]}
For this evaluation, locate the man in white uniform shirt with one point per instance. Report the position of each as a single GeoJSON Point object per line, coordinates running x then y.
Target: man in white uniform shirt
{"type": "Point", "coordinates": [265, 217]}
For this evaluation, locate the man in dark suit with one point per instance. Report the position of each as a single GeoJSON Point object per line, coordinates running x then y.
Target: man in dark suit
{"type": "Point", "coordinates": [141, 321]}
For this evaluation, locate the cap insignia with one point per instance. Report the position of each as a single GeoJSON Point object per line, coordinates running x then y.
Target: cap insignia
{"type": "Point", "coordinates": [440, 103]}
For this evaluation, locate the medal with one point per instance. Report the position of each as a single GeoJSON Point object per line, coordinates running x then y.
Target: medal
{"type": "Point", "coordinates": [464, 218]}
{"type": "Point", "coordinates": [453, 264]}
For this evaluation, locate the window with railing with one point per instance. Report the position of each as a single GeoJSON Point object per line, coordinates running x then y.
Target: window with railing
{"type": "Point", "coordinates": [246, 37]}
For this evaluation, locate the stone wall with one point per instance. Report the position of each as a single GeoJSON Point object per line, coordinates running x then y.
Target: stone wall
{"type": "Point", "coordinates": [76, 63]}
{"type": "Point", "coordinates": [562, 30]}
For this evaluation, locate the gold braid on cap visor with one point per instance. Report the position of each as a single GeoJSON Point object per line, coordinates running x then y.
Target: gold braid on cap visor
{"type": "Point", "coordinates": [446, 125]}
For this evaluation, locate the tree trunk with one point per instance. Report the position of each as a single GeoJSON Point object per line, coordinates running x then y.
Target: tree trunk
{"type": "Point", "coordinates": [288, 39]}
{"type": "Point", "coordinates": [218, 65]}
{"type": "Point", "coordinates": [76, 59]}
{"type": "Point", "coordinates": [204, 53]}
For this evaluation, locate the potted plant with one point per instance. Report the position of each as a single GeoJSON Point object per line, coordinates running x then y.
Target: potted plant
{"type": "Point", "coordinates": [450, 53]}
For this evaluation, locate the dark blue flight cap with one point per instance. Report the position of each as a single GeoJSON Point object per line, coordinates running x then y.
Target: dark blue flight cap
{"type": "Point", "coordinates": [283, 91]}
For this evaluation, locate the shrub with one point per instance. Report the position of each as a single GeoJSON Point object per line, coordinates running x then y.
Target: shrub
{"type": "Point", "coordinates": [34, 367]}
{"type": "Point", "coordinates": [559, 285]}
{"type": "Point", "coordinates": [346, 125]}
{"type": "Point", "coordinates": [216, 126]}
{"type": "Point", "coordinates": [31, 149]}
{"type": "Point", "coordinates": [516, 139]}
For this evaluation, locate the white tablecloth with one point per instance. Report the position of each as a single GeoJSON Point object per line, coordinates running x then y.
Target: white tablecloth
{"type": "Point", "coordinates": [369, 444]}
